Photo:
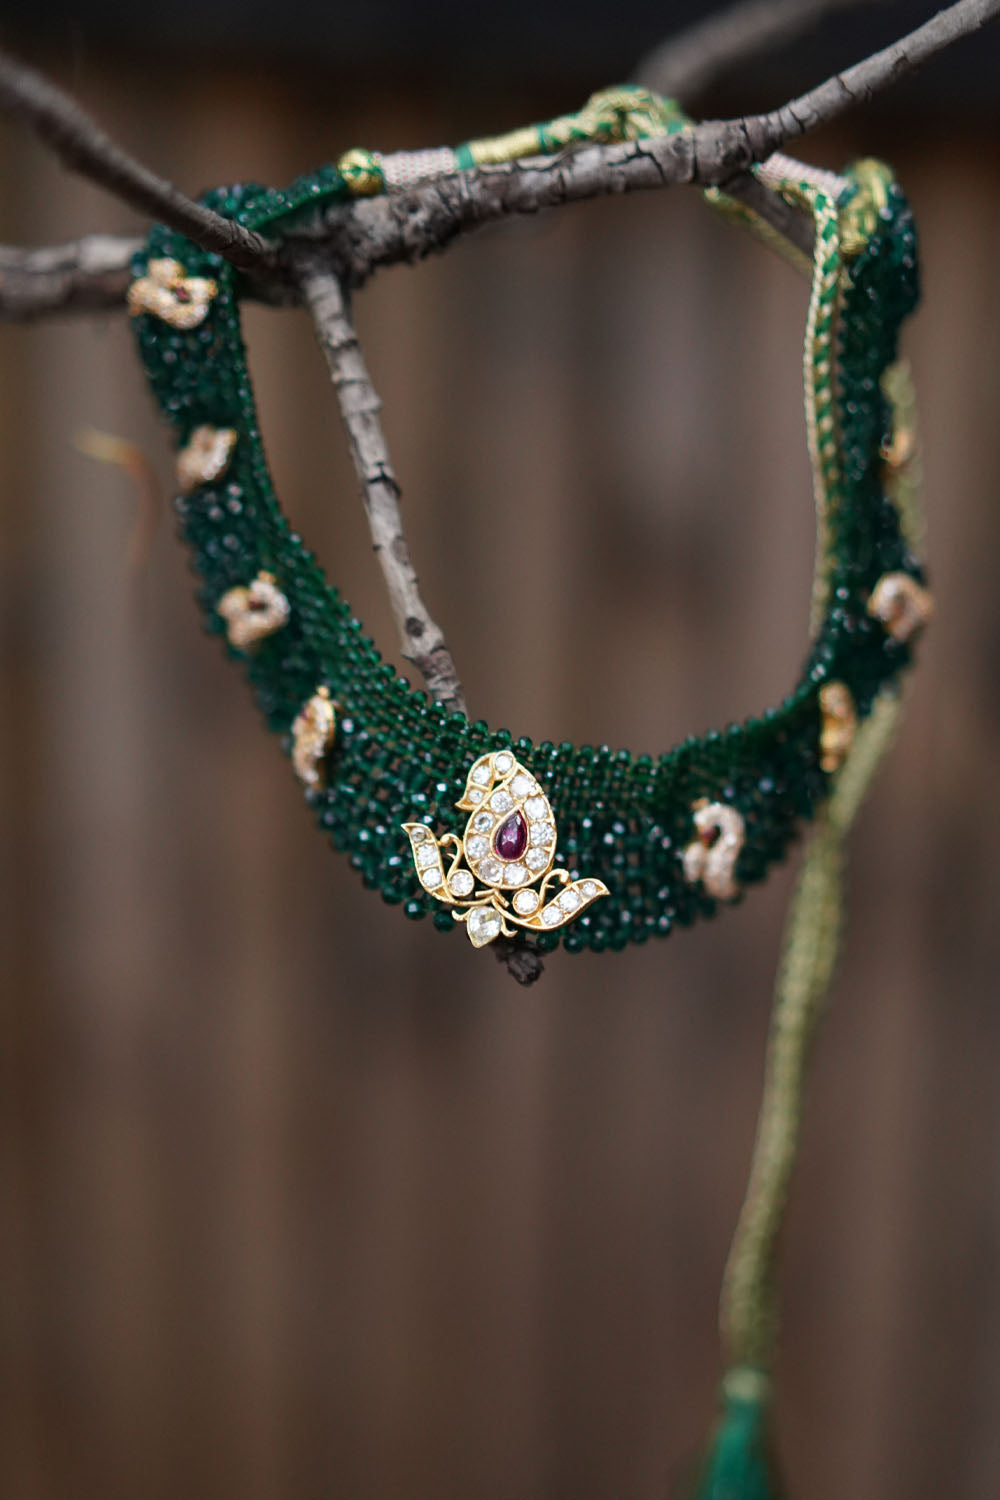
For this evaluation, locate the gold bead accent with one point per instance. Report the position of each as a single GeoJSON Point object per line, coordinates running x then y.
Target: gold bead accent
{"type": "Point", "coordinates": [205, 456]}
{"type": "Point", "coordinates": [840, 725]}
{"type": "Point", "coordinates": [165, 291]}
{"type": "Point", "coordinates": [253, 612]}
{"type": "Point", "coordinates": [711, 858]}
{"type": "Point", "coordinates": [313, 734]}
{"type": "Point", "coordinates": [361, 172]}
{"type": "Point", "coordinates": [859, 217]}
{"type": "Point", "coordinates": [902, 604]}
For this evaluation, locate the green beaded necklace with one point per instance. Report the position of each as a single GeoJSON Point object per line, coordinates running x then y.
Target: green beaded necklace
{"type": "Point", "coordinates": [592, 848]}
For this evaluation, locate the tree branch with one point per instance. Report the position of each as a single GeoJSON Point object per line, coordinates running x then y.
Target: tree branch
{"type": "Point", "coordinates": [856, 85]}
{"type": "Point", "coordinates": [359, 237]}
{"type": "Point", "coordinates": [421, 639]}
{"type": "Point", "coordinates": [89, 275]}
{"type": "Point", "coordinates": [80, 142]}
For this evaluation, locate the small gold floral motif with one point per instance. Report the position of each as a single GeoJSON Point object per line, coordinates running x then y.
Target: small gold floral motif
{"type": "Point", "coordinates": [839, 725]}
{"type": "Point", "coordinates": [253, 612]}
{"type": "Point", "coordinates": [902, 604]}
{"type": "Point", "coordinates": [165, 291]}
{"type": "Point", "coordinates": [507, 879]}
{"type": "Point", "coordinates": [711, 858]}
{"type": "Point", "coordinates": [205, 456]}
{"type": "Point", "coordinates": [313, 733]}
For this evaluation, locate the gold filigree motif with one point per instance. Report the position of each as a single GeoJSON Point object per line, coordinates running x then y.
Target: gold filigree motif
{"type": "Point", "coordinates": [902, 604]}
{"type": "Point", "coordinates": [711, 857]}
{"type": "Point", "coordinates": [253, 612]}
{"type": "Point", "coordinates": [839, 725]}
{"type": "Point", "coordinates": [499, 875]}
{"type": "Point", "coordinates": [165, 291]}
{"type": "Point", "coordinates": [313, 733]}
{"type": "Point", "coordinates": [205, 456]}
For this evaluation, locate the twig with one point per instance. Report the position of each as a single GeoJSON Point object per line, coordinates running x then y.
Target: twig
{"type": "Point", "coordinates": [106, 448]}
{"type": "Point", "coordinates": [89, 275]}
{"type": "Point", "coordinates": [421, 639]}
{"type": "Point", "coordinates": [856, 85]}
{"type": "Point", "coordinates": [82, 145]}
{"type": "Point", "coordinates": [683, 66]}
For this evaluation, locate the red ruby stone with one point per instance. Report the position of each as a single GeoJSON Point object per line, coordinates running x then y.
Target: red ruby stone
{"type": "Point", "coordinates": [511, 838]}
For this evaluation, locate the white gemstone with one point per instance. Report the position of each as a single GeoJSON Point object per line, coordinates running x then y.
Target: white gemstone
{"type": "Point", "coordinates": [522, 786]}
{"type": "Point", "coordinates": [515, 875]}
{"type": "Point", "coordinates": [537, 808]}
{"type": "Point", "coordinates": [569, 901]}
{"type": "Point", "coordinates": [501, 802]}
{"type": "Point", "coordinates": [418, 835]}
{"type": "Point", "coordinates": [536, 859]}
{"type": "Point", "coordinates": [525, 902]}
{"type": "Point", "coordinates": [482, 821]}
{"type": "Point", "coordinates": [427, 855]}
{"type": "Point", "coordinates": [431, 878]}
{"type": "Point", "coordinates": [461, 883]}
{"type": "Point", "coordinates": [503, 762]}
{"type": "Point", "coordinates": [551, 915]}
{"type": "Point", "coordinates": [481, 775]}
{"type": "Point", "coordinates": [490, 871]}
{"type": "Point", "coordinates": [589, 890]}
{"type": "Point", "coordinates": [476, 846]}
{"type": "Point", "coordinates": [483, 924]}
{"type": "Point", "coordinates": [542, 833]}
{"type": "Point", "coordinates": [474, 794]}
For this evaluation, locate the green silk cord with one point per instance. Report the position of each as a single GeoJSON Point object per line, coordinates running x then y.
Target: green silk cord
{"type": "Point", "coordinates": [738, 1466]}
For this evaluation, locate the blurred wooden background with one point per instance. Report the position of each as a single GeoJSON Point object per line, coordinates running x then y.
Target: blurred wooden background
{"type": "Point", "coordinates": [298, 1199]}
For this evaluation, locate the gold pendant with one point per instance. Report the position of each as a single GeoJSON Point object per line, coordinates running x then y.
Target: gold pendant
{"type": "Point", "coordinates": [500, 872]}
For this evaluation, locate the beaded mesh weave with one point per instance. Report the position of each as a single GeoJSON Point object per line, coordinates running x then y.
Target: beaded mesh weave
{"type": "Point", "coordinates": [397, 758]}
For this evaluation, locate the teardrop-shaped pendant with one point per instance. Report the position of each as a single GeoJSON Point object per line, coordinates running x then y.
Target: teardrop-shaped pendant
{"type": "Point", "coordinates": [511, 821]}
{"type": "Point", "coordinates": [511, 838]}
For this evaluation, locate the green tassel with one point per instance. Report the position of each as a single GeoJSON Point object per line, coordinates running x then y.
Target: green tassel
{"type": "Point", "coordinates": [738, 1466]}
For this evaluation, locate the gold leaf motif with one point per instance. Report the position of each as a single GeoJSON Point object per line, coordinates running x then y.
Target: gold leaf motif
{"type": "Point", "coordinates": [205, 456]}
{"type": "Point", "coordinates": [165, 291]}
{"type": "Point", "coordinates": [253, 612]}
{"type": "Point", "coordinates": [500, 874]}
{"type": "Point", "coordinates": [902, 604]}
{"type": "Point", "coordinates": [313, 732]}
{"type": "Point", "coordinates": [839, 725]}
{"type": "Point", "coordinates": [711, 858]}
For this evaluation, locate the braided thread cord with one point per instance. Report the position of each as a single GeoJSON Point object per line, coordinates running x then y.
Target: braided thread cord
{"type": "Point", "coordinates": [748, 1314]}
{"type": "Point", "coordinates": [624, 113]}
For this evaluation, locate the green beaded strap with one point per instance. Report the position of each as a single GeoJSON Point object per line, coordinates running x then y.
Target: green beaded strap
{"type": "Point", "coordinates": [589, 847]}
